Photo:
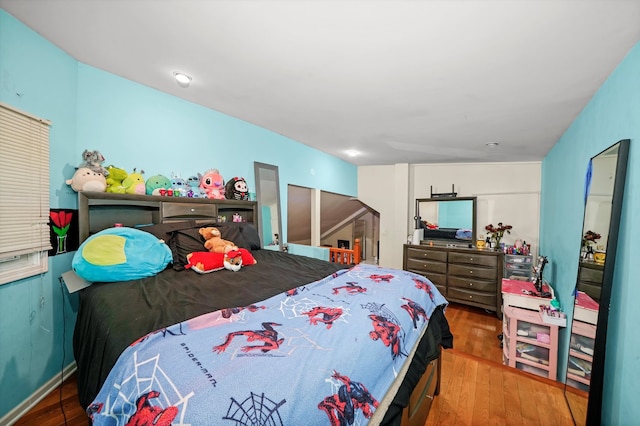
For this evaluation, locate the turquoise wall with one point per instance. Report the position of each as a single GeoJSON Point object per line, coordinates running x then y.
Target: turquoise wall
{"type": "Point", "coordinates": [611, 115]}
{"type": "Point", "coordinates": [35, 337]}
{"type": "Point", "coordinates": [132, 126]}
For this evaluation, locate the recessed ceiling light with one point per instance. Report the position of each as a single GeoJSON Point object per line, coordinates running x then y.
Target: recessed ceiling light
{"type": "Point", "coordinates": [182, 79]}
{"type": "Point", "coordinates": [492, 144]}
{"type": "Point", "coordinates": [352, 153]}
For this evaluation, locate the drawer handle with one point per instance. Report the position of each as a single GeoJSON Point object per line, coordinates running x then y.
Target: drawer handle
{"type": "Point", "coordinates": [471, 272]}
{"type": "Point", "coordinates": [471, 284]}
{"type": "Point", "coordinates": [471, 259]}
{"type": "Point", "coordinates": [470, 297]}
{"type": "Point", "coordinates": [193, 210]}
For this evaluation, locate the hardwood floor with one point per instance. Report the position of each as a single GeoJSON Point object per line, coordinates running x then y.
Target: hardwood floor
{"type": "Point", "coordinates": [476, 388]}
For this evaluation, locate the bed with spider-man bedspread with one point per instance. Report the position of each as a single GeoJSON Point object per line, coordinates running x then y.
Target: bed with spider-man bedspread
{"type": "Point", "coordinates": [332, 352]}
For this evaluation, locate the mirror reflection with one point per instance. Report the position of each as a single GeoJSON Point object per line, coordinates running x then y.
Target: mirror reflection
{"type": "Point", "coordinates": [447, 221]}
{"type": "Point", "coordinates": [268, 197]}
{"type": "Point", "coordinates": [604, 186]}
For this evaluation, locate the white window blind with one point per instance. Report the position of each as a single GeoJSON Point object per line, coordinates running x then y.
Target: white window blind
{"type": "Point", "coordinates": [24, 194]}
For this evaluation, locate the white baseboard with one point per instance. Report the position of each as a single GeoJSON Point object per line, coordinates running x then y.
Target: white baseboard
{"type": "Point", "coordinates": [14, 415]}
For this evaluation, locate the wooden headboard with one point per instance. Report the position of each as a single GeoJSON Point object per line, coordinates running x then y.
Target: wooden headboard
{"type": "Point", "coordinates": [101, 210]}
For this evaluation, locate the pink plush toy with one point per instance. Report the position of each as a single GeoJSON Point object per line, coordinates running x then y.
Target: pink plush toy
{"type": "Point", "coordinates": [212, 184]}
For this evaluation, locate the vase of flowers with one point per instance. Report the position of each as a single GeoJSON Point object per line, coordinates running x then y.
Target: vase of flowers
{"type": "Point", "coordinates": [496, 233]}
{"type": "Point", "coordinates": [589, 239]}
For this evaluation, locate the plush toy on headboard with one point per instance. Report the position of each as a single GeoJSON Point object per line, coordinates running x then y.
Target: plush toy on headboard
{"type": "Point", "coordinates": [213, 184]}
{"type": "Point", "coordinates": [85, 179]}
{"type": "Point", "coordinates": [236, 189]}
{"type": "Point", "coordinates": [155, 183]}
{"type": "Point", "coordinates": [93, 160]}
{"type": "Point", "coordinates": [179, 185]}
{"type": "Point", "coordinates": [89, 176]}
{"type": "Point", "coordinates": [114, 181]}
{"type": "Point", "coordinates": [194, 187]}
{"type": "Point", "coordinates": [134, 183]}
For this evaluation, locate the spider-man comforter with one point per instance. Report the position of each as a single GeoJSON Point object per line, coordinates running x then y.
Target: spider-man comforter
{"type": "Point", "coordinates": [325, 353]}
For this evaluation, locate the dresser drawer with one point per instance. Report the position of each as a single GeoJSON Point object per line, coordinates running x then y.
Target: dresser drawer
{"type": "Point", "coordinates": [473, 259]}
{"type": "Point", "coordinates": [591, 275]}
{"type": "Point", "coordinates": [471, 284]}
{"type": "Point", "coordinates": [188, 210]}
{"type": "Point", "coordinates": [467, 296]}
{"type": "Point", "coordinates": [422, 254]}
{"type": "Point", "coordinates": [426, 266]}
{"type": "Point", "coordinates": [468, 271]}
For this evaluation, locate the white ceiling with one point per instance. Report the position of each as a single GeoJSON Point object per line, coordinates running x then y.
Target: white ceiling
{"type": "Point", "coordinates": [400, 81]}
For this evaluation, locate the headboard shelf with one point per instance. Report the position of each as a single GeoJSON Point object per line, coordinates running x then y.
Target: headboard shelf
{"type": "Point", "coordinates": [100, 210]}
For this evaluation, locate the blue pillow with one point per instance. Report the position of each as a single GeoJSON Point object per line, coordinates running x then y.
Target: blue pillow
{"type": "Point", "coordinates": [120, 254]}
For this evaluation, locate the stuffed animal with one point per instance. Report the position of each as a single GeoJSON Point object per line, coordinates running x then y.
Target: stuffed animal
{"type": "Point", "coordinates": [194, 190]}
{"type": "Point", "coordinates": [85, 179]}
{"type": "Point", "coordinates": [204, 262]}
{"type": "Point", "coordinates": [213, 184]}
{"type": "Point", "coordinates": [114, 181]}
{"type": "Point", "coordinates": [134, 183]}
{"type": "Point", "coordinates": [155, 183]}
{"type": "Point", "coordinates": [93, 160]}
{"type": "Point", "coordinates": [179, 185]}
{"type": "Point", "coordinates": [214, 242]}
{"type": "Point", "coordinates": [236, 189]}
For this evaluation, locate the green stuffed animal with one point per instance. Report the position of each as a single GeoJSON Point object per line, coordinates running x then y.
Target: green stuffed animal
{"type": "Point", "coordinates": [134, 183]}
{"type": "Point", "coordinates": [156, 183]}
{"type": "Point", "coordinates": [114, 181]}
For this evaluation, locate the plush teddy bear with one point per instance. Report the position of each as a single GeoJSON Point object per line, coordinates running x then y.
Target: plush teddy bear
{"type": "Point", "coordinates": [114, 181]}
{"type": "Point", "coordinates": [204, 262]}
{"type": "Point", "coordinates": [85, 179]}
{"type": "Point", "coordinates": [214, 242]}
{"type": "Point", "coordinates": [236, 189]}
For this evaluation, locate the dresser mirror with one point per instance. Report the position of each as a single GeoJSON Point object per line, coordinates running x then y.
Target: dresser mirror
{"type": "Point", "coordinates": [447, 221]}
{"type": "Point", "coordinates": [604, 190]}
{"type": "Point", "coordinates": [268, 198]}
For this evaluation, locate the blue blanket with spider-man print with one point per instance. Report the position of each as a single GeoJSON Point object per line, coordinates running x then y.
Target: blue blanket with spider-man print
{"type": "Point", "coordinates": [324, 353]}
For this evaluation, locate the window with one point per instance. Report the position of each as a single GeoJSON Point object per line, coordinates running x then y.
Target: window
{"type": "Point", "coordinates": [24, 197]}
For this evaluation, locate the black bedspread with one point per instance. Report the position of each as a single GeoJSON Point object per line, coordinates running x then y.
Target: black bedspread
{"type": "Point", "coordinates": [113, 315]}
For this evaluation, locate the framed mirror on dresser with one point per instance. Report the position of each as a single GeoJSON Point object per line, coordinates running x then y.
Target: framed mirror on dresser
{"type": "Point", "coordinates": [604, 193]}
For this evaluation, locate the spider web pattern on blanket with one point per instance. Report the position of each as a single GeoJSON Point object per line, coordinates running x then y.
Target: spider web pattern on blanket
{"type": "Point", "coordinates": [148, 376]}
{"type": "Point", "coordinates": [255, 410]}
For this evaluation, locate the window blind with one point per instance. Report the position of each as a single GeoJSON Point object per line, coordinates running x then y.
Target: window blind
{"type": "Point", "coordinates": [24, 189]}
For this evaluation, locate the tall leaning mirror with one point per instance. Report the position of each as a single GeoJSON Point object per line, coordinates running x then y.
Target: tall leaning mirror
{"type": "Point", "coordinates": [604, 190]}
{"type": "Point", "coordinates": [268, 198]}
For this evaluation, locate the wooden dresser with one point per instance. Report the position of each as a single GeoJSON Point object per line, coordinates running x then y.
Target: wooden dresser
{"type": "Point", "coordinates": [468, 276]}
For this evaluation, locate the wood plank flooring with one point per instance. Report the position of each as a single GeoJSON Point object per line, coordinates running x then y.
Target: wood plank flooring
{"type": "Point", "coordinates": [476, 388]}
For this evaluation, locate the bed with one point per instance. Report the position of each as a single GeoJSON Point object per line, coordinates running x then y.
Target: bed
{"type": "Point", "coordinates": [224, 311]}
{"type": "Point", "coordinates": [448, 234]}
